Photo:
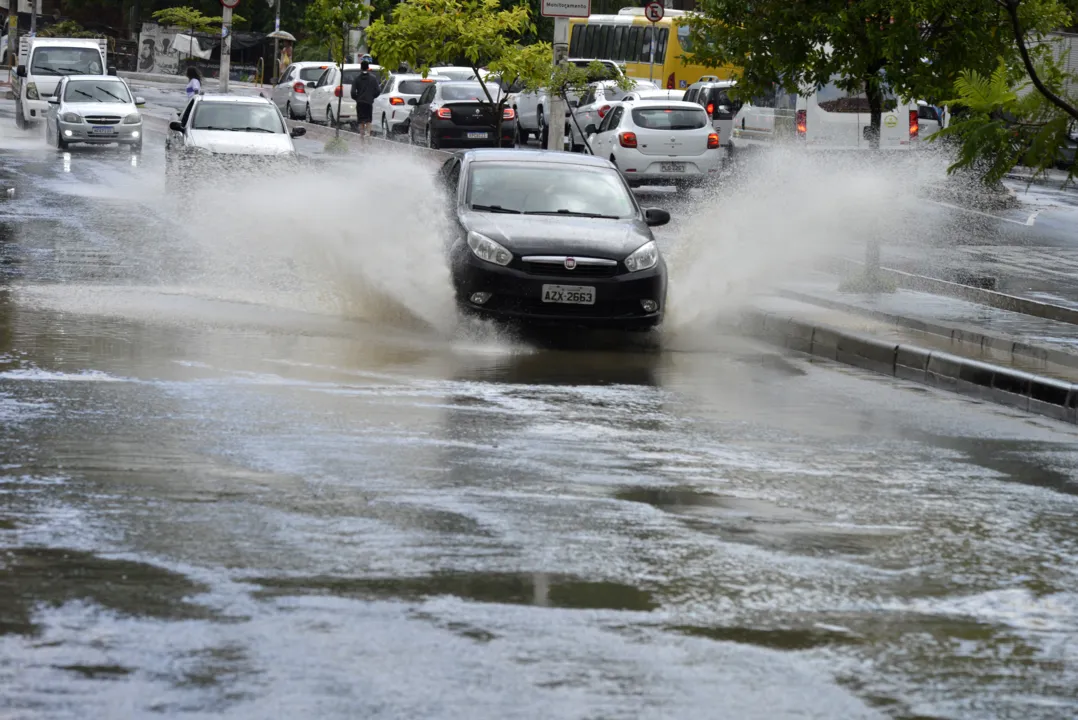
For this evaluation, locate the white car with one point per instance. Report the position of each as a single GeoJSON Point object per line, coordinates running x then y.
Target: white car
{"type": "Point", "coordinates": [393, 107]}
{"type": "Point", "coordinates": [290, 92]}
{"type": "Point", "coordinates": [458, 72]}
{"type": "Point", "coordinates": [595, 103]}
{"type": "Point", "coordinates": [322, 98]}
{"type": "Point", "coordinates": [657, 142]}
{"type": "Point", "coordinates": [653, 94]}
{"type": "Point", "coordinates": [533, 106]}
{"type": "Point", "coordinates": [93, 109]}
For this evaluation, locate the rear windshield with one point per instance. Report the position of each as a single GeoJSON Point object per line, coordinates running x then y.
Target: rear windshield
{"type": "Point", "coordinates": [311, 73]}
{"type": "Point", "coordinates": [833, 98]}
{"type": "Point", "coordinates": [414, 87]}
{"type": "Point", "coordinates": [106, 91]}
{"type": "Point", "coordinates": [660, 118]}
{"type": "Point", "coordinates": [349, 76]}
{"type": "Point", "coordinates": [471, 91]}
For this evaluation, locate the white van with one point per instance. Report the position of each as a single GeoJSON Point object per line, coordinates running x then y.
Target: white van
{"type": "Point", "coordinates": [765, 117]}
{"type": "Point", "coordinates": [833, 118]}
{"type": "Point", "coordinates": [43, 61]}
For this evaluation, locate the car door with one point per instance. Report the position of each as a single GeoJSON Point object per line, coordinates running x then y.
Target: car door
{"type": "Point", "coordinates": [600, 146]}
{"type": "Point", "coordinates": [52, 111]}
{"type": "Point", "coordinates": [318, 99]}
{"type": "Point", "coordinates": [283, 87]}
{"type": "Point", "coordinates": [421, 113]}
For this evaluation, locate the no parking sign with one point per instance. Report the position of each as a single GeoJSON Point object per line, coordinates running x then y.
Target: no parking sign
{"type": "Point", "coordinates": [654, 11]}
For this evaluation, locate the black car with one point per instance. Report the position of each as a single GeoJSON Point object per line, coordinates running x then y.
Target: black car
{"type": "Point", "coordinates": [459, 114]}
{"type": "Point", "coordinates": [552, 237]}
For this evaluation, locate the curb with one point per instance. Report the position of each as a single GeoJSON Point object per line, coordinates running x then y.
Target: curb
{"type": "Point", "coordinates": [1044, 396]}
{"type": "Point", "coordinates": [998, 300]}
{"type": "Point", "coordinates": [321, 132]}
{"type": "Point", "coordinates": [987, 342]}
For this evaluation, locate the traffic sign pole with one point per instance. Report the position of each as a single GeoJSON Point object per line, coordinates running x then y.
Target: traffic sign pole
{"type": "Point", "coordinates": [561, 11]}
{"type": "Point", "coordinates": [654, 12]}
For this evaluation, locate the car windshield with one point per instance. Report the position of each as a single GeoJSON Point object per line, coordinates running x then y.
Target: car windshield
{"type": "Point", "coordinates": [310, 74]}
{"type": "Point", "coordinates": [104, 91]}
{"type": "Point", "coordinates": [470, 91]}
{"type": "Point", "coordinates": [549, 189]}
{"type": "Point", "coordinates": [66, 61]}
{"type": "Point", "coordinates": [238, 117]}
{"type": "Point", "coordinates": [664, 118]}
{"type": "Point", "coordinates": [349, 76]}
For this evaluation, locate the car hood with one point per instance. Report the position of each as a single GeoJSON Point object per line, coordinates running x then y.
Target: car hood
{"type": "Point", "coordinates": [227, 142]}
{"type": "Point", "coordinates": [98, 108]}
{"type": "Point", "coordinates": [560, 235]}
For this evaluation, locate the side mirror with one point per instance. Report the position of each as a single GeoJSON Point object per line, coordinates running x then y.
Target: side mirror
{"type": "Point", "coordinates": [139, 102]}
{"type": "Point", "coordinates": [112, 70]}
{"type": "Point", "coordinates": [21, 71]}
{"type": "Point", "coordinates": [656, 216]}
{"type": "Point", "coordinates": [413, 101]}
{"type": "Point", "coordinates": [574, 103]}
{"type": "Point", "coordinates": [176, 125]}
{"type": "Point", "coordinates": [312, 84]}
{"type": "Point", "coordinates": [591, 130]}
{"type": "Point", "coordinates": [53, 100]}
{"type": "Point", "coordinates": [298, 132]}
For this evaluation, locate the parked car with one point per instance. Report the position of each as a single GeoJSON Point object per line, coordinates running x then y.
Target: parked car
{"type": "Point", "coordinates": [458, 72]}
{"type": "Point", "coordinates": [714, 96]}
{"type": "Point", "coordinates": [322, 98]}
{"type": "Point", "coordinates": [533, 107]}
{"type": "Point", "coordinates": [460, 114]}
{"type": "Point", "coordinates": [550, 237]}
{"type": "Point", "coordinates": [94, 109]}
{"type": "Point", "coordinates": [400, 94]}
{"type": "Point", "coordinates": [655, 142]}
{"type": "Point", "coordinates": [219, 127]}
{"type": "Point", "coordinates": [653, 94]}
{"type": "Point", "coordinates": [595, 103]}
{"type": "Point", "coordinates": [290, 92]}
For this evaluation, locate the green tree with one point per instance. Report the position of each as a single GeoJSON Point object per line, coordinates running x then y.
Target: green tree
{"type": "Point", "coordinates": [332, 19]}
{"type": "Point", "coordinates": [67, 29]}
{"type": "Point", "coordinates": [191, 19]}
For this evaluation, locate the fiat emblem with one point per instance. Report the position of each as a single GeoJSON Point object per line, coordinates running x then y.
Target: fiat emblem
{"type": "Point", "coordinates": [570, 263]}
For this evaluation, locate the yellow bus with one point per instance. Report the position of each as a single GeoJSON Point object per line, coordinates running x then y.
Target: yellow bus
{"type": "Point", "coordinates": [626, 38]}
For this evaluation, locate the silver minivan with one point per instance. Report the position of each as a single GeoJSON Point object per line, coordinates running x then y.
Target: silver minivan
{"type": "Point", "coordinates": [713, 95]}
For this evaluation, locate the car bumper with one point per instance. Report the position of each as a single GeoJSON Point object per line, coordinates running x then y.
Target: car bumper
{"type": "Point", "coordinates": [696, 169]}
{"type": "Point", "coordinates": [398, 119]}
{"type": "Point", "coordinates": [83, 133]}
{"type": "Point", "coordinates": [517, 295]}
{"type": "Point", "coordinates": [447, 133]}
{"type": "Point", "coordinates": [35, 109]}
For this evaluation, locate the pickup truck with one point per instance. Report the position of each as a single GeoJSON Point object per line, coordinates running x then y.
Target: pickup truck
{"type": "Point", "coordinates": [43, 61]}
{"type": "Point", "coordinates": [533, 107]}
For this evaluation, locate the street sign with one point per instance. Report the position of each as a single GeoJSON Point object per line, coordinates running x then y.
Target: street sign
{"type": "Point", "coordinates": [654, 11]}
{"type": "Point", "coordinates": [566, 8]}
{"type": "Point", "coordinates": [230, 4]}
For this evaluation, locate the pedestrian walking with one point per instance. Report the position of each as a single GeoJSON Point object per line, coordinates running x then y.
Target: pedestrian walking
{"type": "Point", "coordinates": [365, 88]}
{"type": "Point", "coordinates": [194, 82]}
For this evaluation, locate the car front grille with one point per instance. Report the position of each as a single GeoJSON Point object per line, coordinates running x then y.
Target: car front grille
{"type": "Point", "coordinates": [580, 271]}
{"type": "Point", "coordinates": [103, 119]}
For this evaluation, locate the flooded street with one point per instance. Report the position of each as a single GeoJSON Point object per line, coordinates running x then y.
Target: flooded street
{"type": "Point", "coordinates": [253, 466]}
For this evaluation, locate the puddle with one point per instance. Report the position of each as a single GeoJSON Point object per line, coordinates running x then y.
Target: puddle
{"type": "Point", "coordinates": [773, 638]}
{"type": "Point", "coordinates": [507, 588]}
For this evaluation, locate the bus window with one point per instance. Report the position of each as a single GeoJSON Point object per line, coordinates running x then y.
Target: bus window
{"type": "Point", "coordinates": [589, 41]}
{"type": "Point", "coordinates": [660, 51]}
{"type": "Point", "coordinates": [577, 41]}
{"type": "Point", "coordinates": [632, 44]}
{"type": "Point", "coordinates": [645, 46]}
{"type": "Point", "coordinates": [608, 42]}
{"type": "Point", "coordinates": [619, 37]}
{"type": "Point", "coordinates": [684, 37]}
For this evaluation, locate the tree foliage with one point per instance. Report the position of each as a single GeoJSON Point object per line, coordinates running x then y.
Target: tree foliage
{"type": "Point", "coordinates": [67, 29]}
{"type": "Point", "coordinates": [192, 19]}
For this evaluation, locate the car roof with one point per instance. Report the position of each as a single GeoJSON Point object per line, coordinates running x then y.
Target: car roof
{"type": "Point", "coordinates": [240, 99]}
{"type": "Point", "coordinates": [312, 63]}
{"type": "Point", "coordinates": [418, 76]}
{"type": "Point", "coordinates": [681, 104]}
{"type": "Point", "coordinates": [532, 156]}
{"type": "Point", "coordinates": [98, 78]}
{"type": "Point", "coordinates": [712, 83]}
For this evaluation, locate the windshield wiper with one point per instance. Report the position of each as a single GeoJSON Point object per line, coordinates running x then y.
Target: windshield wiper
{"type": "Point", "coordinates": [210, 127]}
{"type": "Point", "coordinates": [252, 129]}
{"type": "Point", "coordinates": [118, 98]}
{"type": "Point", "coordinates": [574, 214]}
{"type": "Point", "coordinates": [495, 209]}
{"type": "Point", "coordinates": [43, 69]}
{"type": "Point", "coordinates": [81, 92]}
{"type": "Point", "coordinates": [77, 71]}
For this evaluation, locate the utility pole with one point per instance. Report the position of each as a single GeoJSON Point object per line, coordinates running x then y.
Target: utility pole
{"type": "Point", "coordinates": [226, 48]}
{"type": "Point", "coordinates": [276, 46]}
{"type": "Point", "coordinates": [556, 121]}
{"type": "Point", "coordinates": [33, 15]}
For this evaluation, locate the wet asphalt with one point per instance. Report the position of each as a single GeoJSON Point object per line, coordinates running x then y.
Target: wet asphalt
{"type": "Point", "coordinates": [251, 465]}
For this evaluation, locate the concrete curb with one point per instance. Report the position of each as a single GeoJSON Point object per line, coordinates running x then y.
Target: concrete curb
{"type": "Point", "coordinates": [1000, 344]}
{"type": "Point", "coordinates": [375, 144]}
{"type": "Point", "coordinates": [1002, 301]}
{"type": "Point", "coordinates": [1036, 394]}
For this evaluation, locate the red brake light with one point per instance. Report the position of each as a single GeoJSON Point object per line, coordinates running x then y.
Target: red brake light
{"type": "Point", "coordinates": [337, 91]}
{"type": "Point", "coordinates": [508, 114]}
{"type": "Point", "coordinates": [915, 126]}
{"type": "Point", "coordinates": [604, 110]}
{"type": "Point", "coordinates": [445, 113]}
{"type": "Point", "coordinates": [713, 141]}
{"type": "Point", "coordinates": [299, 87]}
{"type": "Point", "coordinates": [627, 139]}
{"type": "Point", "coordinates": [396, 101]}
{"type": "Point", "coordinates": [802, 123]}
{"type": "Point", "coordinates": [670, 82]}
{"type": "Point", "coordinates": [426, 80]}
{"type": "Point", "coordinates": [711, 108]}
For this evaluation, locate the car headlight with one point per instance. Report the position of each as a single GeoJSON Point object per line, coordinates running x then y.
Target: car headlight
{"type": "Point", "coordinates": [486, 249]}
{"type": "Point", "coordinates": [133, 119]}
{"type": "Point", "coordinates": [71, 117]}
{"type": "Point", "coordinates": [31, 91]}
{"type": "Point", "coordinates": [644, 257]}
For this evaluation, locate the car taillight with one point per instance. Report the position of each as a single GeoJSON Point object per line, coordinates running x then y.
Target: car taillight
{"type": "Point", "coordinates": [396, 101]}
{"type": "Point", "coordinates": [604, 110]}
{"type": "Point", "coordinates": [627, 139]}
{"type": "Point", "coordinates": [802, 123]}
{"type": "Point", "coordinates": [711, 109]}
{"type": "Point", "coordinates": [508, 114]}
{"type": "Point", "coordinates": [299, 87]}
{"type": "Point", "coordinates": [915, 126]}
{"type": "Point", "coordinates": [712, 141]}
{"type": "Point", "coordinates": [445, 113]}
{"type": "Point", "coordinates": [671, 82]}
{"type": "Point", "coordinates": [337, 91]}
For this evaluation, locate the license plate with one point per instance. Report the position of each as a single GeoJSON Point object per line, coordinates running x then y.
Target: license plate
{"type": "Point", "coordinates": [102, 130]}
{"type": "Point", "coordinates": [672, 167]}
{"type": "Point", "coordinates": [477, 136]}
{"type": "Point", "coordinates": [569, 294]}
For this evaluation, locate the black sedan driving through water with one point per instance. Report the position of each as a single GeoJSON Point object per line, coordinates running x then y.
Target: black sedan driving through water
{"type": "Point", "coordinates": [552, 237]}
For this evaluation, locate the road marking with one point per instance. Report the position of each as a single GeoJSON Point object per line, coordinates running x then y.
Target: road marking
{"type": "Point", "coordinates": [1026, 223]}
{"type": "Point", "coordinates": [1033, 217]}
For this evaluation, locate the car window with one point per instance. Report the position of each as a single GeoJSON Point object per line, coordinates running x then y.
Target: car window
{"type": "Point", "coordinates": [605, 124]}
{"type": "Point", "coordinates": [103, 91]}
{"type": "Point", "coordinates": [427, 96]}
{"type": "Point", "coordinates": [615, 116]}
{"type": "Point", "coordinates": [614, 93]}
{"type": "Point", "coordinates": [349, 76]}
{"type": "Point", "coordinates": [286, 76]}
{"type": "Point", "coordinates": [927, 112]}
{"type": "Point", "coordinates": [66, 61]}
{"type": "Point", "coordinates": [691, 95]}
{"type": "Point", "coordinates": [666, 118]}
{"type": "Point", "coordinates": [833, 98]}
{"type": "Point", "coordinates": [449, 175]}
{"type": "Point", "coordinates": [413, 87]}
{"type": "Point", "coordinates": [550, 188]}
{"type": "Point", "coordinates": [470, 91]}
{"type": "Point", "coordinates": [589, 97]}
{"type": "Point", "coordinates": [235, 116]}
{"type": "Point", "coordinates": [323, 79]}
{"type": "Point", "coordinates": [308, 74]}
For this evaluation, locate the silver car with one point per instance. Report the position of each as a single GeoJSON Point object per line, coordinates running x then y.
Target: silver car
{"type": "Point", "coordinates": [94, 109]}
{"type": "Point", "coordinates": [290, 92]}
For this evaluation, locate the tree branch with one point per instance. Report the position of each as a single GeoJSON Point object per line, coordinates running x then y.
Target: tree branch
{"type": "Point", "coordinates": [1012, 11]}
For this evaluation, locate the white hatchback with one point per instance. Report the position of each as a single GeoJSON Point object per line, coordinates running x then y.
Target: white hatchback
{"type": "Point", "coordinates": [322, 98]}
{"type": "Point", "coordinates": [393, 107]}
{"type": "Point", "coordinates": [656, 142]}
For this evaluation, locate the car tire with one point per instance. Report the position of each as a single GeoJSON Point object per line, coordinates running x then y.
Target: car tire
{"type": "Point", "coordinates": [61, 144]}
{"type": "Point", "coordinates": [288, 110]}
{"type": "Point", "coordinates": [307, 114]}
{"type": "Point", "coordinates": [20, 121]}
{"type": "Point", "coordinates": [431, 143]}
{"type": "Point", "coordinates": [385, 127]}
{"type": "Point", "coordinates": [544, 136]}
{"type": "Point", "coordinates": [330, 122]}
